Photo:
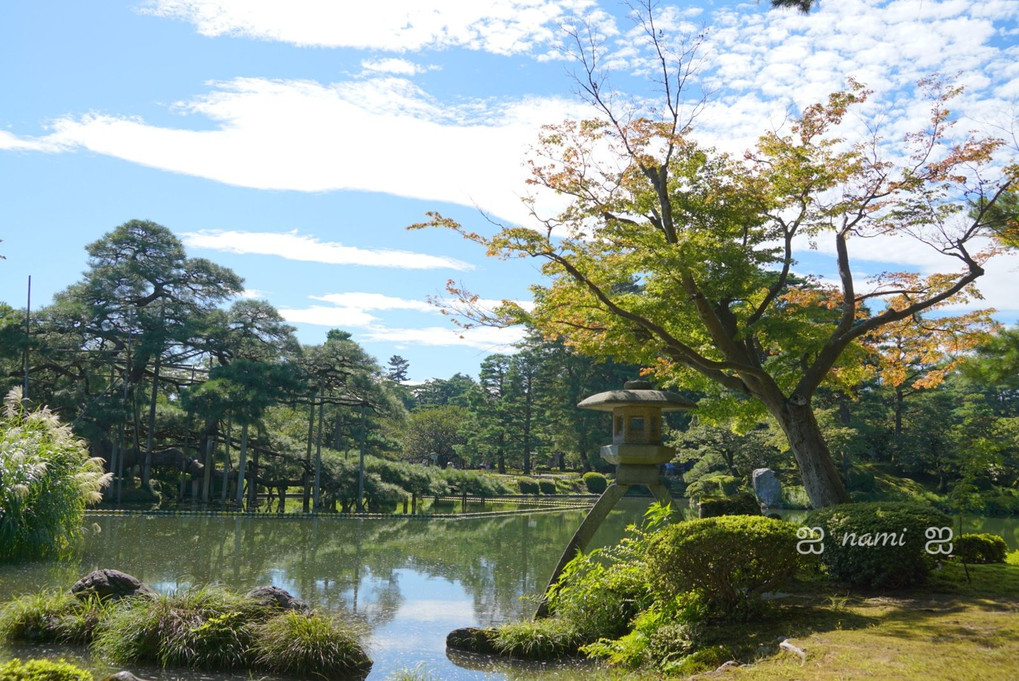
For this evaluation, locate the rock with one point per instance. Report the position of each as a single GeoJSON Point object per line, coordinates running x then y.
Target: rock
{"type": "Point", "coordinates": [122, 676]}
{"type": "Point", "coordinates": [767, 488]}
{"type": "Point", "coordinates": [275, 597]}
{"type": "Point", "coordinates": [471, 640]}
{"type": "Point", "coordinates": [111, 584]}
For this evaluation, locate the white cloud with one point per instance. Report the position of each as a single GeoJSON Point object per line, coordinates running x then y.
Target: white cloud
{"type": "Point", "coordinates": [381, 134]}
{"type": "Point", "coordinates": [499, 26]}
{"type": "Point", "coordinates": [485, 338]}
{"type": "Point", "coordinates": [399, 67]}
{"type": "Point", "coordinates": [375, 301]}
{"type": "Point", "coordinates": [293, 246]}
{"type": "Point", "coordinates": [334, 317]}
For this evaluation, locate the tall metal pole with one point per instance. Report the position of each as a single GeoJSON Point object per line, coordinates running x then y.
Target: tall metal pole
{"type": "Point", "coordinates": [28, 318]}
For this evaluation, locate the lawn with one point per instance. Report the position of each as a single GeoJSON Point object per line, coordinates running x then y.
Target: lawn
{"type": "Point", "coordinates": [953, 630]}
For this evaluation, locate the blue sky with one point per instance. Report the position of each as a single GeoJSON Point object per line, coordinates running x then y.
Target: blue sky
{"type": "Point", "coordinates": [294, 141]}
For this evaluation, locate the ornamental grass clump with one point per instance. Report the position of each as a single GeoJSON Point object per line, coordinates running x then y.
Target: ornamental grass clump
{"type": "Point", "coordinates": [881, 545]}
{"type": "Point", "coordinates": [309, 645]}
{"type": "Point", "coordinates": [544, 639]}
{"type": "Point", "coordinates": [204, 628]}
{"type": "Point", "coordinates": [51, 617]}
{"type": "Point", "coordinates": [46, 480]}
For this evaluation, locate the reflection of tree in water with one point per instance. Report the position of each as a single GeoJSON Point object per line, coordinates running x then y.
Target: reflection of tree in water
{"type": "Point", "coordinates": [341, 565]}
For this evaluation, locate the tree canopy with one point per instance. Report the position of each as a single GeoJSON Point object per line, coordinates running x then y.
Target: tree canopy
{"type": "Point", "coordinates": [681, 258]}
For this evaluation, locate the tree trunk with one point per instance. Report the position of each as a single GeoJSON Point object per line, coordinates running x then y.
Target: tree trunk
{"type": "Point", "coordinates": [242, 462]}
{"type": "Point", "coordinates": [147, 467]}
{"type": "Point", "coordinates": [817, 468]}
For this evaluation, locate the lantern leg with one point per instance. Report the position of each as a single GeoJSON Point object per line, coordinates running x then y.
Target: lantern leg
{"type": "Point", "coordinates": [582, 537]}
{"type": "Point", "coordinates": [661, 493]}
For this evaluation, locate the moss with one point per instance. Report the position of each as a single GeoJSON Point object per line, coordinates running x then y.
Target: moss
{"type": "Point", "coordinates": [42, 670]}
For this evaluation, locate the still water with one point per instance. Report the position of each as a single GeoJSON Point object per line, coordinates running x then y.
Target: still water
{"type": "Point", "coordinates": [410, 581]}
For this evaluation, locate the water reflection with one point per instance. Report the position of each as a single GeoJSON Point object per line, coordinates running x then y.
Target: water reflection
{"type": "Point", "coordinates": [410, 581]}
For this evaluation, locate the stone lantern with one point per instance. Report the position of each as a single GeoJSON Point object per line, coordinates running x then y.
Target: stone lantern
{"type": "Point", "coordinates": [637, 451]}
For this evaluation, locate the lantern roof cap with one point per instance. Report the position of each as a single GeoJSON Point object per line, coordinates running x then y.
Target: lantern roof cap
{"type": "Point", "coordinates": [636, 394]}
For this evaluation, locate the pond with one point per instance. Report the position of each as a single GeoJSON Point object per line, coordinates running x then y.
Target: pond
{"type": "Point", "coordinates": [411, 581]}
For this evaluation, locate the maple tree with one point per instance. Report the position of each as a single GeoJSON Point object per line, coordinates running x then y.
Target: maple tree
{"type": "Point", "coordinates": [680, 257]}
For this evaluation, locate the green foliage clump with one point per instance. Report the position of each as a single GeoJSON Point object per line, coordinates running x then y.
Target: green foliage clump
{"type": "Point", "coordinates": [877, 545]}
{"type": "Point", "coordinates": [42, 670]}
{"type": "Point", "coordinates": [596, 482]}
{"type": "Point", "coordinates": [728, 562]}
{"type": "Point", "coordinates": [980, 548]}
{"type": "Point", "coordinates": [714, 485]}
{"type": "Point", "coordinates": [661, 636]}
{"type": "Point", "coordinates": [543, 639]}
{"type": "Point", "coordinates": [51, 617]}
{"type": "Point", "coordinates": [303, 645]}
{"type": "Point", "coordinates": [547, 487]}
{"type": "Point", "coordinates": [528, 486]}
{"type": "Point", "coordinates": [1013, 558]}
{"type": "Point", "coordinates": [204, 628]}
{"type": "Point", "coordinates": [743, 503]}
{"type": "Point", "coordinates": [46, 480]}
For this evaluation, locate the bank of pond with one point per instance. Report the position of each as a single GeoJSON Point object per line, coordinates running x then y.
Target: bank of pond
{"type": "Point", "coordinates": [378, 597]}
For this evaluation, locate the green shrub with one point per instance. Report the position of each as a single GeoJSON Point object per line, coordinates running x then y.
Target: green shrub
{"type": "Point", "coordinates": [1013, 558]}
{"type": "Point", "coordinates": [980, 548]}
{"type": "Point", "coordinates": [660, 635]}
{"type": "Point", "coordinates": [547, 486]}
{"type": "Point", "coordinates": [543, 639]}
{"type": "Point", "coordinates": [713, 485]}
{"type": "Point", "coordinates": [727, 561]}
{"type": "Point", "coordinates": [878, 545]}
{"type": "Point", "coordinates": [309, 645]}
{"type": "Point", "coordinates": [596, 482]}
{"type": "Point", "coordinates": [743, 503]}
{"type": "Point", "coordinates": [600, 592]}
{"type": "Point", "coordinates": [42, 670]}
{"type": "Point", "coordinates": [528, 486]}
{"type": "Point", "coordinates": [47, 481]}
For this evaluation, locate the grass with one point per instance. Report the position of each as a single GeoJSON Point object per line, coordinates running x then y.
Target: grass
{"type": "Point", "coordinates": [51, 617]}
{"type": "Point", "coordinates": [294, 643]}
{"type": "Point", "coordinates": [203, 628]}
{"type": "Point", "coordinates": [952, 630]}
{"type": "Point", "coordinates": [544, 639]}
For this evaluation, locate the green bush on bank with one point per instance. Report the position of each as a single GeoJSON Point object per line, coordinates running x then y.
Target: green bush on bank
{"type": "Point", "coordinates": [547, 486]}
{"type": "Point", "coordinates": [727, 562]}
{"type": "Point", "coordinates": [42, 670]}
{"type": "Point", "coordinates": [743, 503]}
{"type": "Point", "coordinates": [528, 486]}
{"type": "Point", "coordinates": [980, 548]}
{"type": "Point", "coordinates": [596, 482]}
{"type": "Point", "coordinates": [877, 545]}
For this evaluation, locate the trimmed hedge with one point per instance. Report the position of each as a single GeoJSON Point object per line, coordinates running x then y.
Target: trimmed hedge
{"type": "Point", "coordinates": [743, 503]}
{"type": "Point", "coordinates": [980, 548]}
{"type": "Point", "coordinates": [877, 545]}
{"type": "Point", "coordinates": [528, 486]}
{"type": "Point", "coordinates": [596, 482]}
{"type": "Point", "coordinates": [728, 562]}
{"type": "Point", "coordinates": [548, 487]}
